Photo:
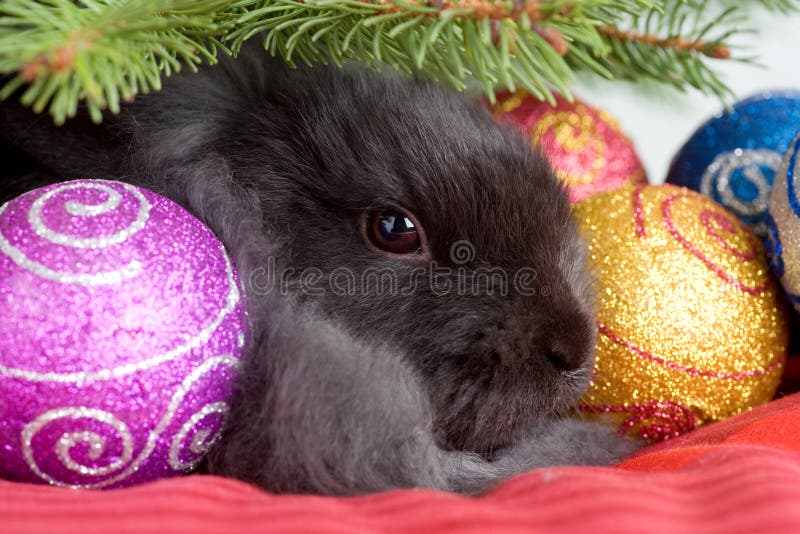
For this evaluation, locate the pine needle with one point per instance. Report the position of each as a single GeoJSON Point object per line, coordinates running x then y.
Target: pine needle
{"type": "Point", "coordinates": [55, 54]}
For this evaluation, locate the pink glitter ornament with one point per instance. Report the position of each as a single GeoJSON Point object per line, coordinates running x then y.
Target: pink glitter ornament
{"type": "Point", "coordinates": [584, 145]}
{"type": "Point", "coordinates": [120, 336]}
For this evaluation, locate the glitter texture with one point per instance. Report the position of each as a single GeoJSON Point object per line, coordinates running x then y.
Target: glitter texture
{"type": "Point", "coordinates": [734, 156]}
{"type": "Point", "coordinates": [120, 337]}
{"type": "Point", "coordinates": [584, 145]}
{"type": "Point", "coordinates": [691, 324]}
{"type": "Point", "coordinates": [783, 242]}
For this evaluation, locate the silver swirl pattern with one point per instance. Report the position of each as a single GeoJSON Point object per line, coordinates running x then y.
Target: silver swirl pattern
{"type": "Point", "coordinates": [79, 377]}
{"type": "Point", "coordinates": [716, 180]}
{"type": "Point", "coordinates": [88, 210]}
{"type": "Point", "coordinates": [127, 464]}
{"type": "Point", "coordinates": [38, 225]}
{"type": "Point", "coordinates": [202, 438]}
{"type": "Point", "coordinates": [68, 441]}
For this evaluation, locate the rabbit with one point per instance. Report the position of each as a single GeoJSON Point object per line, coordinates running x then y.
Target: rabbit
{"type": "Point", "coordinates": [457, 376]}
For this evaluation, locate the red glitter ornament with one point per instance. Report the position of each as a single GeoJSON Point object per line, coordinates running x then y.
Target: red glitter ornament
{"type": "Point", "coordinates": [584, 145]}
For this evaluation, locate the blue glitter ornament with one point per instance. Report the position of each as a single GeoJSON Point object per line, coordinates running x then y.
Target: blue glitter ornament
{"type": "Point", "coordinates": [734, 156]}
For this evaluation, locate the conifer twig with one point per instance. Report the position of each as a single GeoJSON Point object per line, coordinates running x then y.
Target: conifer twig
{"type": "Point", "coordinates": [57, 53]}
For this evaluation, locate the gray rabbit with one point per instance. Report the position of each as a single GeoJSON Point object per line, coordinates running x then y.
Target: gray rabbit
{"type": "Point", "coordinates": [383, 228]}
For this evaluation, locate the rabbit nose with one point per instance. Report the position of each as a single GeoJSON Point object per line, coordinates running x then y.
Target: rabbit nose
{"type": "Point", "coordinates": [565, 360]}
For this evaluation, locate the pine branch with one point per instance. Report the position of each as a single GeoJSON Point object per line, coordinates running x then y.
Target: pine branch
{"type": "Point", "coordinates": [713, 50]}
{"type": "Point", "coordinates": [101, 51]}
{"type": "Point", "coordinates": [506, 43]}
{"type": "Point", "coordinates": [672, 46]}
{"type": "Point", "coordinates": [783, 6]}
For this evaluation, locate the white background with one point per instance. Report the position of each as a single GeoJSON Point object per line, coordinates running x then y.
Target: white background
{"type": "Point", "coordinates": [660, 119]}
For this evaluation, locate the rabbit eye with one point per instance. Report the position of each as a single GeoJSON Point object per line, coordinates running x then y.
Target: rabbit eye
{"type": "Point", "coordinates": [392, 231]}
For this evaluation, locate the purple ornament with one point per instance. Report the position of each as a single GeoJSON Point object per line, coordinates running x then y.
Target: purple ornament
{"type": "Point", "coordinates": [121, 330]}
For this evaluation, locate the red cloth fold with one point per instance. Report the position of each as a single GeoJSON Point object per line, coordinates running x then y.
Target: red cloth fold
{"type": "Point", "coordinates": [740, 475]}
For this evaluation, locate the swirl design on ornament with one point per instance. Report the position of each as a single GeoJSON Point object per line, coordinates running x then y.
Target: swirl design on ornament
{"type": "Point", "coordinates": [574, 132]}
{"type": "Point", "coordinates": [69, 441]}
{"type": "Point", "coordinates": [202, 440]}
{"type": "Point", "coordinates": [653, 421]}
{"type": "Point", "coordinates": [511, 103]}
{"type": "Point", "coordinates": [716, 180]}
{"type": "Point", "coordinates": [87, 210]}
{"type": "Point", "coordinates": [712, 224]}
{"type": "Point", "coordinates": [774, 247]}
{"type": "Point", "coordinates": [741, 375]}
{"type": "Point", "coordinates": [713, 221]}
{"type": "Point", "coordinates": [792, 170]}
{"type": "Point", "coordinates": [37, 223]}
{"type": "Point", "coordinates": [126, 462]}
{"type": "Point", "coordinates": [232, 299]}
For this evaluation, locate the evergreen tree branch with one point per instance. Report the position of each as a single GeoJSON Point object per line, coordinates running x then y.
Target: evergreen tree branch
{"type": "Point", "coordinates": [713, 50]}
{"type": "Point", "coordinates": [103, 51]}
{"type": "Point", "coordinates": [672, 45]}
{"type": "Point", "coordinates": [783, 6]}
{"type": "Point", "coordinates": [509, 43]}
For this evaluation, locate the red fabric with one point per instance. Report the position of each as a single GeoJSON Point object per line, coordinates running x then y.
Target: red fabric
{"type": "Point", "coordinates": [740, 475]}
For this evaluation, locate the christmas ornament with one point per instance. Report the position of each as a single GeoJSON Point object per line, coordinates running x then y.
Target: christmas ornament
{"type": "Point", "coordinates": [733, 157]}
{"type": "Point", "coordinates": [121, 330]}
{"type": "Point", "coordinates": [783, 223]}
{"type": "Point", "coordinates": [692, 327]}
{"type": "Point", "coordinates": [584, 145]}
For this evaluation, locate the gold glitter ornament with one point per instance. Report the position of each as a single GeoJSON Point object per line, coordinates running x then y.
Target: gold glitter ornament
{"type": "Point", "coordinates": [783, 224]}
{"type": "Point", "coordinates": [692, 327]}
